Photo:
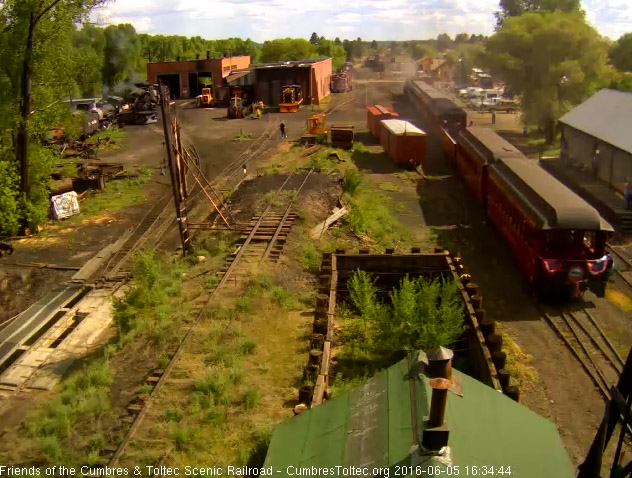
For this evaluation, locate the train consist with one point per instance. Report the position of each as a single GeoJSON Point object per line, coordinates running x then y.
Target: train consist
{"type": "Point", "coordinates": [557, 238]}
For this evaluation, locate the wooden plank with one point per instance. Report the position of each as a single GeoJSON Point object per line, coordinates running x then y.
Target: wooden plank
{"type": "Point", "coordinates": [324, 367]}
{"type": "Point", "coordinates": [319, 230]}
{"type": "Point", "coordinates": [319, 391]}
{"type": "Point", "coordinates": [332, 297]}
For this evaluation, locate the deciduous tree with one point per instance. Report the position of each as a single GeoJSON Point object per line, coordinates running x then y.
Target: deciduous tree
{"type": "Point", "coordinates": [515, 8]}
{"type": "Point", "coordinates": [553, 60]}
{"type": "Point", "coordinates": [621, 53]}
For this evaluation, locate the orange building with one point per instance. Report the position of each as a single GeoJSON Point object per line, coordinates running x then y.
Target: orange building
{"type": "Point", "coordinates": [183, 77]}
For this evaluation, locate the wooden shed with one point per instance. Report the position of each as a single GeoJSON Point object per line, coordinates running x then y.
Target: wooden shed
{"type": "Point", "coordinates": [403, 141]}
{"type": "Point", "coordinates": [375, 114]}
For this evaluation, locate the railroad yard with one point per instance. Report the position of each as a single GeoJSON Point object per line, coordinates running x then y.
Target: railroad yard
{"type": "Point", "coordinates": [200, 357]}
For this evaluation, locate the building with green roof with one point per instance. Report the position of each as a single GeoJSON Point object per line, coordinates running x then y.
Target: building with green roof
{"type": "Point", "coordinates": [378, 429]}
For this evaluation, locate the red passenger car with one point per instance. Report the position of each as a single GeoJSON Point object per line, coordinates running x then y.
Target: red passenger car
{"type": "Point", "coordinates": [475, 150]}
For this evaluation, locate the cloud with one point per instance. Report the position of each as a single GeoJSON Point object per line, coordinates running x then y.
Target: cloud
{"type": "Point", "coordinates": [368, 19]}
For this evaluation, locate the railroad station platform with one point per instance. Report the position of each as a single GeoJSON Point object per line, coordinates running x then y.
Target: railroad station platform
{"type": "Point", "coordinates": [608, 202]}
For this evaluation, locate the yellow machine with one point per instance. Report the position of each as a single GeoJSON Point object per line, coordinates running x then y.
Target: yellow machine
{"type": "Point", "coordinates": [206, 98]}
{"type": "Point", "coordinates": [235, 108]}
{"type": "Point", "coordinates": [291, 98]}
{"type": "Point", "coordinates": [317, 124]}
{"type": "Point", "coordinates": [257, 109]}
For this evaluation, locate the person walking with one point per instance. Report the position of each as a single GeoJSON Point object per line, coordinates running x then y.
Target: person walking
{"type": "Point", "coordinates": [627, 193]}
{"type": "Point", "coordinates": [282, 130]}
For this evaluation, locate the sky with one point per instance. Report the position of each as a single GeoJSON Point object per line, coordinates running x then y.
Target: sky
{"type": "Point", "coordinates": [369, 19]}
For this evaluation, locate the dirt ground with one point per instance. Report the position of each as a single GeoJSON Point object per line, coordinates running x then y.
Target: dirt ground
{"type": "Point", "coordinates": [562, 392]}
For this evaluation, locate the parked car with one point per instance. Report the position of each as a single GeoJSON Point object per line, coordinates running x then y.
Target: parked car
{"type": "Point", "coordinates": [500, 104]}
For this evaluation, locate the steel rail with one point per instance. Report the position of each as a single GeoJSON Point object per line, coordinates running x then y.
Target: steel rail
{"type": "Point", "coordinates": [139, 417]}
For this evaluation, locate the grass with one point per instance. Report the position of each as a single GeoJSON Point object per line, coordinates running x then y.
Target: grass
{"type": "Point", "coordinates": [243, 136]}
{"type": "Point", "coordinates": [153, 301]}
{"type": "Point", "coordinates": [109, 140]}
{"type": "Point", "coordinates": [83, 397]}
{"type": "Point", "coordinates": [117, 195]}
{"type": "Point", "coordinates": [275, 199]}
{"type": "Point", "coordinates": [371, 218]}
{"type": "Point", "coordinates": [311, 257]}
{"type": "Point", "coordinates": [518, 362]}
{"type": "Point", "coordinates": [387, 186]}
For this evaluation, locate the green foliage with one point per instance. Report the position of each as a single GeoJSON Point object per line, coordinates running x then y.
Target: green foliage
{"type": "Point", "coordinates": [286, 49]}
{"type": "Point", "coordinates": [621, 53]}
{"type": "Point", "coordinates": [515, 8]}
{"type": "Point", "coordinates": [147, 309]}
{"type": "Point", "coordinates": [310, 258]}
{"type": "Point", "coordinates": [122, 49]}
{"type": "Point", "coordinates": [370, 215]}
{"type": "Point", "coordinates": [553, 60]}
{"type": "Point", "coordinates": [351, 181]}
{"type": "Point", "coordinates": [84, 395]}
{"type": "Point", "coordinates": [422, 314]}
{"type": "Point", "coordinates": [249, 399]}
{"type": "Point", "coordinates": [9, 198]}
{"type": "Point", "coordinates": [246, 347]}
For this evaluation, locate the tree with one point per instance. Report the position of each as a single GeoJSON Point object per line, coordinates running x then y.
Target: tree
{"type": "Point", "coordinates": [461, 38]}
{"type": "Point", "coordinates": [286, 49]}
{"type": "Point", "coordinates": [621, 53]}
{"type": "Point", "coordinates": [515, 8]}
{"type": "Point", "coordinates": [34, 44]}
{"type": "Point", "coordinates": [122, 52]}
{"type": "Point", "coordinates": [373, 45]}
{"type": "Point", "coordinates": [444, 42]}
{"type": "Point", "coordinates": [553, 60]}
{"type": "Point", "coordinates": [314, 38]}
{"type": "Point", "coordinates": [337, 41]}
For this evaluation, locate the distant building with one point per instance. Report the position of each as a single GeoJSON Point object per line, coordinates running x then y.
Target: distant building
{"type": "Point", "coordinates": [264, 82]}
{"type": "Point", "coordinates": [438, 68]}
{"type": "Point", "coordinates": [392, 422]}
{"type": "Point", "coordinates": [596, 135]}
{"type": "Point", "coordinates": [183, 77]}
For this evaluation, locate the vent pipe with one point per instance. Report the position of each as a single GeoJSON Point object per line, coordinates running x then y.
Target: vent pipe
{"type": "Point", "coordinates": [439, 370]}
{"type": "Point", "coordinates": [440, 363]}
{"type": "Point", "coordinates": [438, 402]}
{"type": "Point", "coordinates": [208, 54]}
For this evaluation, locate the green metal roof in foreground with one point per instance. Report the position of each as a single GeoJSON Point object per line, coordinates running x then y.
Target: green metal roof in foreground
{"type": "Point", "coordinates": [372, 426]}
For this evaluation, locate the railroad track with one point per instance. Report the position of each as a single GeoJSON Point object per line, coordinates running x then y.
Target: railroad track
{"type": "Point", "coordinates": [262, 242]}
{"type": "Point", "coordinates": [623, 265]}
{"type": "Point", "coordinates": [580, 331]}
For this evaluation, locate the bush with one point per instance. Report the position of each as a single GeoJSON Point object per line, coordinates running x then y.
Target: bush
{"type": "Point", "coordinates": [351, 181]}
{"type": "Point", "coordinates": [249, 399]}
{"type": "Point", "coordinates": [422, 314]}
{"type": "Point", "coordinates": [247, 347]}
{"type": "Point", "coordinates": [311, 258]}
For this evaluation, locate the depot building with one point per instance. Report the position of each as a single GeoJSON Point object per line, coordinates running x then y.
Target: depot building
{"type": "Point", "coordinates": [258, 82]}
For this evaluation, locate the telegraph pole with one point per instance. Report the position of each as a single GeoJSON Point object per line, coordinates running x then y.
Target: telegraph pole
{"type": "Point", "coordinates": [173, 158]}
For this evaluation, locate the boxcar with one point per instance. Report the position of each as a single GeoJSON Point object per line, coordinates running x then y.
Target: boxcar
{"type": "Point", "coordinates": [558, 239]}
{"type": "Point", "coordinates": [403, 141]}
{"type": "Point", "coordinates": [375, 114]}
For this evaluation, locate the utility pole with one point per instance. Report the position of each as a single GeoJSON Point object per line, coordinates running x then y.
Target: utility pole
{"type": "Point", "coordinates": [175, 171]}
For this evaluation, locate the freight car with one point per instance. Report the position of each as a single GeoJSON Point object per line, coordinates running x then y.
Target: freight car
{"type": "Point", "coordinates": [557, 238]}
{"type": "Point", "coordinates": [403, 141]}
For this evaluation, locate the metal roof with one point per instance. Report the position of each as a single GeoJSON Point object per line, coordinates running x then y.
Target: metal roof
{"type": "Point", "coordinates": [378, 424]}
{"type": "Point", "coordinates": [402, 128]}
{"type": "Point", "coordinates": [552, 204]}
{"type": "Point", "coordinates": [489, 144]}
{"type": "Point", "coordinates": [606, 115]}
{"type": "Point", "coordinates": [236, 75]}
